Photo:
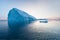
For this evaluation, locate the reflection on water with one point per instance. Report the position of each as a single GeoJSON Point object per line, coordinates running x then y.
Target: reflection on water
{"type": "Point", "coordinates": [52, 27]}
{"type": "Point", "coordinates": [33, 31]}
{"type": "Point", "coordinates": [3, 29]}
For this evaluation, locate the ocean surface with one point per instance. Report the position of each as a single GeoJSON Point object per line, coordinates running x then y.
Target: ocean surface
{"type": "Point", "coordinates": [33, 31]}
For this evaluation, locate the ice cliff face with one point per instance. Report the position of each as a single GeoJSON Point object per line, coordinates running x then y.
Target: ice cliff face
{"type": "Point", "coordinates": [19, 18]}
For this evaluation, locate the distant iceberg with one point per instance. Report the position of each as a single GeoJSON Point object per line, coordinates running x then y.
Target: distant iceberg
{"type": "Point", "coordinates": [43, 20]}
{"type": "Point", "coordinates": [19, 18]}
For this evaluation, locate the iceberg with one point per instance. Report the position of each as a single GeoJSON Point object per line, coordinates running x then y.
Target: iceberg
{"type": "Point", "coordinates": [18, 18]}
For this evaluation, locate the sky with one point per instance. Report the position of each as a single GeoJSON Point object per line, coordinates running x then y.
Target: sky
{"type": "Point", "coordinates": [36, 8]}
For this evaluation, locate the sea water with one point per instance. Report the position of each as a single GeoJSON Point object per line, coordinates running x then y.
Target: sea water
{"type": "Point", "coordinates": [33, 31]}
